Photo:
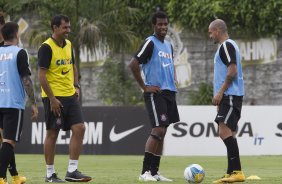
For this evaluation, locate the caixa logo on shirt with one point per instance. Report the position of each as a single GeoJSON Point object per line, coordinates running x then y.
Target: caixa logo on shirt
{"type": "Point", "coordinates": [63, 62]}
{"type": "Point", "coordinates": [165, 55]}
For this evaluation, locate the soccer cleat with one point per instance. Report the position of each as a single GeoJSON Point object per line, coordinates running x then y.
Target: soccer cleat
{"type": "Point", "coordinates": [54, 179]}
{"type": "Point", "coordinates": [147, 177]}
{"type": "Point", "coordinates": [160, 177]}
{"type": "Point", "coordinates": [219, 181]}
{"type": "Point", "coordinates": [18, 179]}
{"type": "Point", "coordinates": [235, 176]}
{"type": "Point", "coordinates": [3, 181]}
{"type": "Point", "coordinates": [77, 176]}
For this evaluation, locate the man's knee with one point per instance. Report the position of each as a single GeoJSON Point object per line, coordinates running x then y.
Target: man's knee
{"type": "Point", "coordinates": [157, 137]}
{"type": "Point", "coordinates": [52, 134]}
{"type": "Point", "coordinates": [224, 131]}
{"type": "Point", "coordinates": [158, 133]}
{"type": "Point", "coordinates": [78, 128]}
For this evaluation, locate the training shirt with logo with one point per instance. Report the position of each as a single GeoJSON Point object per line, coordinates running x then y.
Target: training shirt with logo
{"type": "Point", "coordinates": [228, 53]}
{"type": "Point", "coordinates": [13, 66]}
{"type": "Point", "coordinates": [156, 60]}
{"type": "Point", "coordinates": [58, 61]}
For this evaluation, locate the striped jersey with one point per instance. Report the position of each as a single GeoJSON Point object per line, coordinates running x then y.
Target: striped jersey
{"type": "Point", "coordinates": [227, 53]}
{"type": "Point", "coordinates": [156, 60]}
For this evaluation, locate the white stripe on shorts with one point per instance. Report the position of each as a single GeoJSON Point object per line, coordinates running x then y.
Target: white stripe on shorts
{"type": "Point", "coordinates": [143, 48]}
{"type": "Point", "coordinates": [154, 109]}
{"type": "Point", "coordinates": [230, 110]}
{"type": "Point", "coordinates": [18, 126]}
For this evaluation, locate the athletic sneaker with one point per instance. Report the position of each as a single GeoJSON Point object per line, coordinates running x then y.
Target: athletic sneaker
{"type": "Point", "coordinates": [235, 176]}
{"type": "Point", "coordinates": [77, 176]}
{"type": "Point", "coordinates": [219, 181]}
{"type": "Point", "coordinates": [54, 179]}
{"type": "Point", "coordinates": [160, 177]}
{"type": "Point", "coordinates": [147, 177]}
{"type": "Point", "coordinates": [18, 179]}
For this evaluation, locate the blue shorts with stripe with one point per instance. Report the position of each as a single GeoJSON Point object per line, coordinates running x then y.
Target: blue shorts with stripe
{"type": "Point", "coordinates": [229, 111]}
{"type": "Point", "coordinates": [162, 108]}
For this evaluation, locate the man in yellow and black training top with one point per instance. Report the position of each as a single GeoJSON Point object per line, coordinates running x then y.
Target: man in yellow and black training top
{"type": "Point", "coordinates": [58, 77]}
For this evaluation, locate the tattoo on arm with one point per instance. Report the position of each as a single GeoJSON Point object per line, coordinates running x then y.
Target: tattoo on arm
{"type": "Point", "coordinates": [229, 79]}
{"type": "Point", "coordinates": [28, 86]}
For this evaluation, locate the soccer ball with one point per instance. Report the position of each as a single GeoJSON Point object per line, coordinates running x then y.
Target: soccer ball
{"type": "Point", "coordinates": [194, 173]}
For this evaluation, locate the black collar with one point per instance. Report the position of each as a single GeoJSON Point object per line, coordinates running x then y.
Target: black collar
{"type": "Point", "coordinates": [64, 42]}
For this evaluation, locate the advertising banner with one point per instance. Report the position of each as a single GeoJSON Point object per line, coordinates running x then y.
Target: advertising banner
{"type": "Point", "coordinates": [259, 132]}
{"type": "Point", "coordinates": [109, 130]}
{"type": "Point", "coordinates": [124, 130]}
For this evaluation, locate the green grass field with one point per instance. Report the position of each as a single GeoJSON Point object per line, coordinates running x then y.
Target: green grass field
{"type": "Point", "coordinates": [125, 169]}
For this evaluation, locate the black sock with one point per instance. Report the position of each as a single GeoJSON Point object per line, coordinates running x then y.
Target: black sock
{"type": "Point", "coordinates": [155, 164]}
{"type": "Point", "coordinates": [238, 166]}
{"type": "Point", "coordinates": [6, 153]}
{"type": "Point", "coordinates": [148, 157]}
{"type": "Point", "coordinates": [233, 154]}
{"type": "Point", "coordinates": [229, 167]}
{"type": "Point", "coordinates": [12, 167]}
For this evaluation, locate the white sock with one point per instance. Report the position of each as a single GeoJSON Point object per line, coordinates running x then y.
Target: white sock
{"type": "Point", "coordinates": [72, 165]}
{"type": "Point", "coordinates": [50, 170]}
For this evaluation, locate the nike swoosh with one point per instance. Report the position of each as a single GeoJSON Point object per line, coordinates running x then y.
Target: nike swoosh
{"type": "Point", "coordinates": [166, 65]}
{"type": "Point", "coordinates": [220, 116]}
{"type": "Point", "coordinates": [114, 137]}
{"type": "Point", "coordinates": [64, 73]}
{"type": "Point", "coordinates": [2, 73]}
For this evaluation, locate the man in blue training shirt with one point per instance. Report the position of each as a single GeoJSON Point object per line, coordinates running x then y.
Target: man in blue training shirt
{"type": "Point", "coordinates": [228, 92]}
{"type": "Point", "coordinates": [156, 59]}
{"type": "Point", "coordinates": [14, 83]}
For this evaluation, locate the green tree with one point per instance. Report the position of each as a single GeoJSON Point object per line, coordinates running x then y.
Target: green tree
{"type": "Point", "coordinates": [92, 22]}
{"type": "Point", "coordinates": [245, 18]}
{"type": "Point", "coordinates": [202, 96]}
{"type": "Point", "coordinates": [116, 87]}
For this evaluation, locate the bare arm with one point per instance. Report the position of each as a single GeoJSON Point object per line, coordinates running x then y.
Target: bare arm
{"type": "Point", "coordinates": [76, 80]}
{"type": "Point", "coordinates": [28, 86]}
{"type": "Point", "coordinates": [55, 103]}
{"type": "Point", "coordinates": [75, 72]}
{"type": "Point", "coordinates": [231, 74]}
{"type": "Point", "coordinates": [135, 69]}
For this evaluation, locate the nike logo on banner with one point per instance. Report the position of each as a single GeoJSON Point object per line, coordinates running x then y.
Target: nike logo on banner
{"type": "Point", "coordinates": [114, 137]}
{"type": "Point", "coordinates": [64, 73]}
{"type": "Point", "coordinates": [166, 65]}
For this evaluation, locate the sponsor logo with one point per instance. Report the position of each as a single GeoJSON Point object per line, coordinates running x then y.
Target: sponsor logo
{"type": "Point", "coordinates": [279, 126]}
{"type": "Point", "coordinates": [2, 80]}
{"type": "Point", "coordinates": [63, 62]}
{"type": "Point", "coordinates": [64, 73]}
{"type": "Point", "coordinates": [200, 129]}
{"type": "Point", "coordinates": [163, 117]}
{"type": "Point", "coordinates": [114, 137]}
{"type": "Point", "coordinates": [166, 65]}
{"type": "Point", "coordinates": [93, 134]}
{"type": "Point", "coordinates": [6, 56]}
{"type": "Point", "coordinates": [165, 55]}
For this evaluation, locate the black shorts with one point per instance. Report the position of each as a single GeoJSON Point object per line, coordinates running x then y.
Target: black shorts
{"type": "Point", "coordinates": [70, 113]}
{"type": "Point", "coordinates": [229, 111]}
{"type": "Point", "coordinates": [11, 120]}
{"type": "Point", "coordinates": [162, 108]}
